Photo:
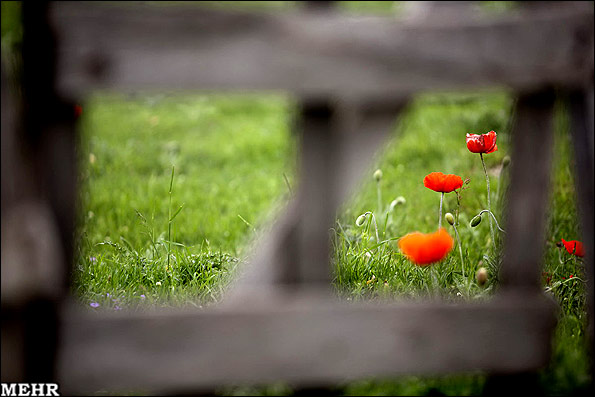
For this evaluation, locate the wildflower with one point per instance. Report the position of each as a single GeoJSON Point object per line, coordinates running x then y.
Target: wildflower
{"type": "Point", "coordinates": [449, 218]}
{"type": "Point", "coordinates": [117, 307]}
{"type": "Point", "coordinates": [485, 143]}
{"type": "Point", "coordinates": [142, 296]}
{"type": "Point", "coordinates": [424, 249]}
{"type": "Point", "coordinates": [158, 283]}
{"type": "Point", "coordinates": [574, 247]}
{"type": "Point", "coordinates": [439, 182]}
{"type": "Point", "coordinates": [93, 259]}
{"type": "Point", "coordinates": [94, 304]}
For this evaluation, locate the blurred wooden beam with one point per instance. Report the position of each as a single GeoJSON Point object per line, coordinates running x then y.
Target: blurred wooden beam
{"type": "Point", "coordinates": [528, 198]}
{"type": "Point", "coordinates": [308, 53]}
{"type": "Point", "coordinates": [305, 342]}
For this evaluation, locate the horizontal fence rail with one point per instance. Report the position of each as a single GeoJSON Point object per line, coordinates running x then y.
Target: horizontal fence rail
{"type": "Point", "coordinates": [316, 54]}
{"type": "Point", "coordinates": [304, 342]}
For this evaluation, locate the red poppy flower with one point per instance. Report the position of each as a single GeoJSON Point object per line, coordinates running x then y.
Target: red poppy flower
{"type": "Point", "coordinates": [439, 182]}
{"type": "Point", "coordinates": [574, 247]}
{"type": "Point", "coordinates": [485, 143]}
{"type": "Point", "coordinates": [425, 249]}
{"type": "Point", "coordinates": [78, 110]}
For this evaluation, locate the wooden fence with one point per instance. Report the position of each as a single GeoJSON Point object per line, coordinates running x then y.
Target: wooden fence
{"type": "Point", "coordinates": [353, 75]}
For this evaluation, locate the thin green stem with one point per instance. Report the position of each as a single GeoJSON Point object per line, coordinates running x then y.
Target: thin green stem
{"type": "Point", "coordinates": [492, 215]}
{"type": "Point", "coordinates": [375, 227]}
{"type": "Point", "coordinates": [489, 205]}
{"type": "Point", "coordinates": [171, 183]}
{"type": "Point", "coordinates": [440, 213]}
{"type": "Point", "coordinates": [460, 250]}
{"type": "Point", "coordinates": [379, 194]}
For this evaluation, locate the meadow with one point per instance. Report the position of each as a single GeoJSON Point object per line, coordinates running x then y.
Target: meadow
{"type": "Point", "coordinates": [175, 187]}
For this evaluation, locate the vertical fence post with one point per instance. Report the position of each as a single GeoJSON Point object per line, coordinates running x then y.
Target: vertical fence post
{"type": "Point", "coordinates": [532, 148]}
{"type": "Point", "coordinates": [581, 113]}
{"type": "Point", "coordinates": [38, 220]}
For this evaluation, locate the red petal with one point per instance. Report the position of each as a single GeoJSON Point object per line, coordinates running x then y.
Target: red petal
{"type": "Point", "coordinates": [425, 249]}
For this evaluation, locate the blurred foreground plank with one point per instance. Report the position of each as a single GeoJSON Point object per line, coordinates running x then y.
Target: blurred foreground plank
{"type": "Point", "coordinates": [311, 54]}
{"type": "Point", "coordinates": [305, 340]}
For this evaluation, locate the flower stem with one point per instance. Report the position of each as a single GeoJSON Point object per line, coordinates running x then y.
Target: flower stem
{"type": "Point", "coordinates": [492, 215]}
{"type": "Point", "coordinates": [460, 249]}
{"type": "Point", "coordinates": [171, 184]}
{"type": "Point", "coordinates": [375, 227]}
{"type": "Point", "coordinates": [489, 206]}
{"type": "Point", "coordinates": [379, 194]}
{"type": "Point", "coordinates": [440, 213]}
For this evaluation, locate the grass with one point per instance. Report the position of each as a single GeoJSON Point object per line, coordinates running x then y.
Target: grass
{"type": "Point", "coordinates": [230, 155]}
{"type": "Point", "coordinates": [151, 237]}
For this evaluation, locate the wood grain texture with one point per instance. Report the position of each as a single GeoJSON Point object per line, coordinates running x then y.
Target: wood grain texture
{"type": "Point", "coordinates": [303, 342]}
{"type": "Point", "coordinates": [528, 198]}
{"type": "Point", "coordinates": [313, 53]}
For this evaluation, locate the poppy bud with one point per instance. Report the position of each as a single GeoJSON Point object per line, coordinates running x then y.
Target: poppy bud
{"type": "Point", "coordinates": [481, 276]}
{"type": "Point", "coordinates": [398, 201]}
{"type": "Point", "coordinates": [360, 220]}
{"type": "Point", "coordinates": [378, 175]}
{"type": "Point", "coordinates": [475, 221]}
{"type": "Point", "coordinates": [449, 218]}
{"type": "Point", "coordinates": [506, 161]}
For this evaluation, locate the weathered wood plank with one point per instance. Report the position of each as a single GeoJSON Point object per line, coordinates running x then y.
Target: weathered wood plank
{"type": "Point", "coordinates": [581, 112]}
{"type": "Point", "coordinates": [184, 48]}
{"type": "Point", "coordinates": [304, 343]}
{"type": "Point", "coordinates": [532, 149]}
{"type": "Point", "coordinates": [37, 231]}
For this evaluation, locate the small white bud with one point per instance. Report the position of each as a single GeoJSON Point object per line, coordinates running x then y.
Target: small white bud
{"type": "Point", "coordinates": [398, 201]}
{"type": "Point", "coordinates": [378, 175]}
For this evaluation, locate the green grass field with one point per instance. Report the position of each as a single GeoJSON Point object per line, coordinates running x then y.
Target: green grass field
{"type": "Point", "coordinates": [174, 188]}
